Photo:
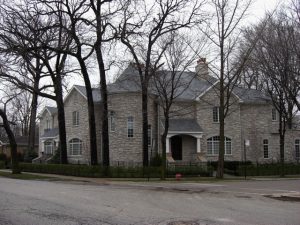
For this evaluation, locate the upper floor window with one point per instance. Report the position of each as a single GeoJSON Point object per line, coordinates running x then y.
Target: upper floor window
{"type": "Point", "coordinates": [130, 126]}
{"type": "Point", "coordinates": [213, 145]}
{"type": "Point", "coordinates": [75, 117]}
{"type": "Point", "coordinates": [112, 121]}
{"type": "Point", "coordinates": [216, 114]}
{"type": "Point", "coordinates": [274, 114]}
{"type": "Point", "coordinates": [149, 135]}
{"type": "Point", "coordinates": [48, 124]}
{"type": "Point", "coordinates": [75, 146]}
{"type": "Point", "coordinates": [266, 148]}
{"type": "Point", "coordinates": [297, 148]}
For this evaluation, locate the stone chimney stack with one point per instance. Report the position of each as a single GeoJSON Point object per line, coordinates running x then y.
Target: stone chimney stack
{"type": "Point", "coordinates": [202, 69]}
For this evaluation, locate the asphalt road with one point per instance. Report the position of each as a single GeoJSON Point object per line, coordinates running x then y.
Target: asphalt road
{"type": "Point", "coordinates": [67, 203]}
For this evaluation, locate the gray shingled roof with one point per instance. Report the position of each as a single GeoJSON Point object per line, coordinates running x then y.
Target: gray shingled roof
{"type": "Point", "coordinates": [251, 95]}
{"type": "Point", "coordinates": [184, 125]}
{"type": "Point", "coordinates": [96, 92]}
{"type": "Point", "coordinates": [50, 133]}
{"type": "Point", "coordinates": [129, 81]}
{"type": "Point", "coordinates": [52, 110]}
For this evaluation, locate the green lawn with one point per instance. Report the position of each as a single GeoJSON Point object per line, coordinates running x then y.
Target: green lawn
{"type": "Point", "coordinates": [25, 176]}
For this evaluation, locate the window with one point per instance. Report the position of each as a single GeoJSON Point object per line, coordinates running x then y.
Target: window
{"type": "Point", "coordinates": [274, 114]}
{"type": "Point", "coordinates": [48, 147]}
{"type": "Point", "coordinates": [48, 124]}
{"type": "Point", "coordinates": [297, 148]}
{"type": "Point", "coordinates": [75, 118]}
{"type": "Point", "coordinates": [266, 148]}
{"type": "Point", "coordinates": [112, 121]}
{"type": "Point", "coordinates": [149, 136]}
{"type": "Point", "coordinates": [216, 114]}
{"type": "Point", "coordinates": [130, 126]}
{"type": "Point", "coordinates": [213, 145]}
{"type": "Point", "coordinates": [75, 146]}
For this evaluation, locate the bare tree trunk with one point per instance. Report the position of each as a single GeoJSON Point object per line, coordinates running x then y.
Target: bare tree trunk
{"type": "Point", "coordinates": [164, 147]}
{"type": "Point", "coordinates": [12, 142]}
{"type": "Point", "coordinates": [61, 119]}
{"type": "Point", "coordinates": [104, 119]}
{"type": "Point", "coordinates": [91, 112]}
{"type": "Point", "coordinates": [145, 125]}
{"type": "Point", "coordinates": [32, 123]}
{"type": "Point", "coordinates": [282, 141]}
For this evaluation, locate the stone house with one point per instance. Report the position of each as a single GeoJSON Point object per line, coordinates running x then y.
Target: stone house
{"type": "Point", "coordinates": [194, 123]}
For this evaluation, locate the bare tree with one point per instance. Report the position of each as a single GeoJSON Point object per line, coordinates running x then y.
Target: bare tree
{"type": "Point", "coordinates": [11, 137]}
{"type": "Point", "coordinates": [278, 64]}
{"type": "Point", "coordinates": [25, 33]}
{"type": "Point", "coordinates": [170, 79]}
{"type": "Point", "coordinates": [223, 32]}
{"type": "Point", "coordinates": [142, 26]}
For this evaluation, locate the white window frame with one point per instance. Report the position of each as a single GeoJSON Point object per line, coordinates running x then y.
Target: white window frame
{"type": "Point", "coordinates": [75, 118]}
{"type": "Point", "coordinates": [130, 124]}
{"type": "Point", "coordinates": [75, 142]}
{"type": "Point", "coordinates": [214, 142]}
{"type": "Point", "coordinates": [266, 149]}
{"type": "Point", "coordinates": [274, 114]}
{"type": "Point", "coordinates": [48, 147]}
{"type": "Point", "coordinates": [149, 135]}
{"type": "Point", "coordinates": [216, 114]}
{"type": "Point", "coordinates": [297, 148]}
{"type": "Point", "coordinates": [112, 121]}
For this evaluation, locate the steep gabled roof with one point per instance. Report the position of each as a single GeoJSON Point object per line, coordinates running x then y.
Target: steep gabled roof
{"type": "Point", "coordinates": [82, 90]}
{"type": "Point", "coordinates": [51, 110]}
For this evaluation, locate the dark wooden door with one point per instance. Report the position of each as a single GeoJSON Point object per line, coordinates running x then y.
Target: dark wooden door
{"type": "Point", "coordinates": [176, 147]}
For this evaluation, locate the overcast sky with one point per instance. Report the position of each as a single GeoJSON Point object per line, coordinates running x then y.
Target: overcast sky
{"type": "Point", "coordinates": [256, 12]}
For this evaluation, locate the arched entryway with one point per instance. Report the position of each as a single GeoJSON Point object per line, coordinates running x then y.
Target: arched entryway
{"type": "Point", "coordinates": [176, 147]}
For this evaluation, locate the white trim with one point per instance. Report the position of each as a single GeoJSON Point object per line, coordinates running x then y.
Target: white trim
{"type": "Point", "coordinates": [212, 86]}
{"type": "Point", "coordinates": [207, 90]}
{"type": "Point", "coordinates": [77, 89]}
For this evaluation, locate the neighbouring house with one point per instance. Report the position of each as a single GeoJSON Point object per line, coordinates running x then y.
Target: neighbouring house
{"type": "Point", "coordinates": [194, 125]}
{"type": "Point", "coordinates": [22, 146]}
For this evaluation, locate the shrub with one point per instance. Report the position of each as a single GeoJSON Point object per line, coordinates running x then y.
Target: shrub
{"type": "Point", "coordinates": [114, 172]}
{"type": "Point", "coordinates": [30, 155]}
{"type": "Point", "coordinates": [2, 164]}
{"type": "Point", "coordinates": [230, 167]}
{"type": "Point", "coordinates": [269, 169]}
{"type": "Point", "coordinates": [156, 161]}
{"type": "Point", "coordinates": [3, 157]}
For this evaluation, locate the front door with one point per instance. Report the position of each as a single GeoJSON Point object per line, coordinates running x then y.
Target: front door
{"type": "Point", "coordinates": [176, 147]}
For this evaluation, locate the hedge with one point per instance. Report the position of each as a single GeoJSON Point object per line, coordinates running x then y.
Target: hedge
{"type": "Point", "coordinates": [269, 169]}
{"type": "Point", "coordinates": [114, 172]}
{"type": "Point", "coordinates": [2, 164]}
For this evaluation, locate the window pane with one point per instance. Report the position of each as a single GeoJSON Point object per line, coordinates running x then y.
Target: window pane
{"type": "Point", "coordinates": [216, 114]}
{"type": "Point", "coordinates": [130, 126]}
{"type": "Point", "coordinates": [297, 148]}
{"type": "Point", "coordinates": [112, 121]}
{"type": "Point", "coordinates": [274, 115]}
{"type": "Point", "coordinates": [266, 148]}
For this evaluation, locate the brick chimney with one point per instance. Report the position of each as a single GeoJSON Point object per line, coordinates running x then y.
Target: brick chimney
{"type": "Point", "coordinates": [202, 69]}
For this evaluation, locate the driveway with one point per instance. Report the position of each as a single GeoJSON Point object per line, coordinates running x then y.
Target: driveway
{"type": "Point", "coordinates": [43, 202]}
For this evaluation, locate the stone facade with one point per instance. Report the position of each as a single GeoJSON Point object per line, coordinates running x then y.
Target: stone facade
{"type": "Point", "coordinates": [245, 121]}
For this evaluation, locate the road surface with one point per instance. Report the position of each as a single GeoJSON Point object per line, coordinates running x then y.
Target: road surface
{"type": "Point", "coordinates": [73, 203]}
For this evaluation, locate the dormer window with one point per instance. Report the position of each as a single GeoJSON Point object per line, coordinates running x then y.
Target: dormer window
{"type": "Point", "coordinates": [216, 114]}
{"type": "Point", "coordinates": [274, 114]}
{"type": "Point", "coordinates": [75, 117]}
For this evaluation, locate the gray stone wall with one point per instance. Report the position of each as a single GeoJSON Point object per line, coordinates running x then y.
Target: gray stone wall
{"type": "Point", "coordinates": [126, 149]}
{"type": "Point", "coordinates": [76, 102]}
{"type": "Point", "coordinates": [210, 128]}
